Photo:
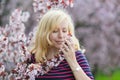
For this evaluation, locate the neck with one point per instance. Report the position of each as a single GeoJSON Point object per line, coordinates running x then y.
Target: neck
{"type": "Point", "coordinates": [52, 51]}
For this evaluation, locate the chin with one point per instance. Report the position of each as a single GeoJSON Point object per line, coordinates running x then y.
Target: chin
{"type": "Point", "coordinates": [58, 47]}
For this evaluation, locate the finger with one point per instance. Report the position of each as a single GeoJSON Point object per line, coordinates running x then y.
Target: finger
{"type": "Point", "coordinates": [65, 47]}
{"type": "Point", "coordinates": [68, 38]}
{"type": "Point", "coordinates": [69, 44]}
{"type": "Point", "coordinates": [63, 50]}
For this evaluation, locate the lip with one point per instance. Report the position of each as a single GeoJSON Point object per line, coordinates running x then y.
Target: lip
{"type": "Point", "coordinates": [59, 42]}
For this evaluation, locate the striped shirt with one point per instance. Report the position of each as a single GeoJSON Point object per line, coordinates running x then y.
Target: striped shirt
{"type": "Point", "coordinates": [63, 71]}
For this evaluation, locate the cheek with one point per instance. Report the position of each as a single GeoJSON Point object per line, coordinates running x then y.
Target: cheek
{"type": "Point", "coordinates": [66, 34]}
{"type": "Point", "coordinates": [52, 37]}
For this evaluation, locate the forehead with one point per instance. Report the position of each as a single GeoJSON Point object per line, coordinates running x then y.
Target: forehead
{"type": "Point", "coordinates": [63, 24]}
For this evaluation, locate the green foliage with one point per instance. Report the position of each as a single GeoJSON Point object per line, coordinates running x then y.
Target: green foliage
{"type": "Point", "coordinates": [114, 76]}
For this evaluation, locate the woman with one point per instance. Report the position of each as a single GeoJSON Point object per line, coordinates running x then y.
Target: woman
{"type": "Point", "coordinates": [56, 50]}
{"type": "Point", "coordinates": [55, 54]}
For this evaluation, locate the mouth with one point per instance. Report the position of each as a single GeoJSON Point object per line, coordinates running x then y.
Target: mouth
{"type": "Point", "coordinates": [59, 42]}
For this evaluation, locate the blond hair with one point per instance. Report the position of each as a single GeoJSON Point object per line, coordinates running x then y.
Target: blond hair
{"type": "Point", "coordinates": [46, 25]}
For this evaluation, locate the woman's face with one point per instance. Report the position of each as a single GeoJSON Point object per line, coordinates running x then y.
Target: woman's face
{"type": "Point", "coordinates": [58, 35]}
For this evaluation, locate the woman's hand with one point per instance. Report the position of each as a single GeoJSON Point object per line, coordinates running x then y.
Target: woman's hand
{"type": "Point", "coordinates": [68, 50]}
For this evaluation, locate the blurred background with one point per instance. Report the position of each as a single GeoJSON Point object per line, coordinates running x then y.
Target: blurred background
{"type": "Point", "coordinates": [97, 25]}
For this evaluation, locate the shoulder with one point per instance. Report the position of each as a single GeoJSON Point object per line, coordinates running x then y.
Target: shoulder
{"type": "Point", "coordinates": [80, 56]}
{"type": "Point", "coordinates": [78, 52]}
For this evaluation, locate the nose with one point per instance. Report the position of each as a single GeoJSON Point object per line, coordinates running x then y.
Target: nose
{"type": "Point", "coordinates": [60, 34]}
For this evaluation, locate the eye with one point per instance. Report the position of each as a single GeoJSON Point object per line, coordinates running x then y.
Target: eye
{"type": "Point", "coordinates": [64, 31]}
{"type": "Point", "coordinates": [55, 31]}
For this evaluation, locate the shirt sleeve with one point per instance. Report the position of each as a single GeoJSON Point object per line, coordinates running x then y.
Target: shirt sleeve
{"type": "Point", "coordinates": [84, 64]}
